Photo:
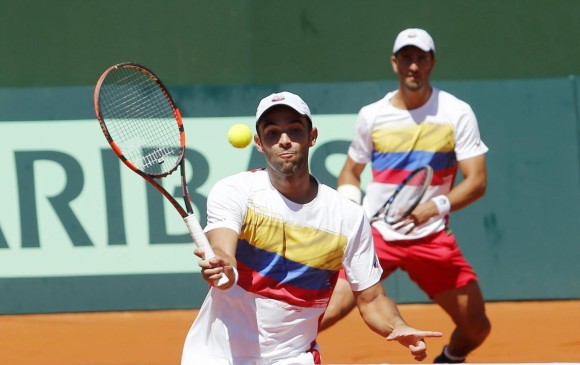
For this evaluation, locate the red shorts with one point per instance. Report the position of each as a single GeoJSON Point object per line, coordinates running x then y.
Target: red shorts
{"type": "Point", "coordinates": [434, 263]}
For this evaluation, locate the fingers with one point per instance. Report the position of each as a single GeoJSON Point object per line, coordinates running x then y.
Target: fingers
{"type": "Point", "coordinates": [399, 224]}
{"type": "Point", "coordinates": [431, 334]}
{"type": "Point", "coordinates": [411, 227]}
{"type": "Point", "coordinates": [412, 336]}
{"type": "Point", "coordinates": [419, 350]}
{"type": "Point", "coordinates": [211, 269]}
{"type": "Point", "coordinates": [414, 341]}
{"type": "Point", "coordinates": [213, 275]}
{"type": "Point", "coordinates": [418, 347]}
{"type": "Point", "coordinates": [213, 278]}
{"type": "Point", "coordinates": [199, 253]}
{"type": "Point", "coordinates": [222, 276]}
{"type": "Point", "coordinates": [405, 226]}
{"type": "Point", "coordinates": [212, 262]}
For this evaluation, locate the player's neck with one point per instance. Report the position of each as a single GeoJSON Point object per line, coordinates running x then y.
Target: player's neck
{"type": "Point", "coordinates": [300, 189]}
{"type": "Point", "coordinates": [411, 99]}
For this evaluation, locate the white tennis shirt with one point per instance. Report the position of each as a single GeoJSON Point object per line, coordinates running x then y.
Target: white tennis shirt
{"type": "Point", "coordinates": [397, 141]}
{"type": "Point", "coordinates": [288, 258]}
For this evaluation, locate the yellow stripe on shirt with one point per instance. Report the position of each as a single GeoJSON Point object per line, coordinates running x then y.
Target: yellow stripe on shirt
{"type": "Point", "coordinates": [306, 245]}
{"type": "Point", "coordinates": [427, 136]}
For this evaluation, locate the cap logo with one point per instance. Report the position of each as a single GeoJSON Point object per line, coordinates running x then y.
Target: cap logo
{"type": "Point", "coordinates": [278, 97]}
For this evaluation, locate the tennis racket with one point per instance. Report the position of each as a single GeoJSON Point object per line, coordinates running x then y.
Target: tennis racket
{"type": "Point", "coordinates": [406, 197]}
{"type": "Point", "coordinates": [144, 128]}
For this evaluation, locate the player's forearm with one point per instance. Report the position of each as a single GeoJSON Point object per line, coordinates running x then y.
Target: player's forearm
{"type": "Point", "coordinates": [226, 264]}
{"type": "Point", "coordinates": [350, 173]}
{"type": "Point", "coordinates": [466, 193]}
{"type": "Point", "coordinates": [378, 311]}
{"type": "Point", "coordinates": [348, 183]}
{"type": "Point", "coordinates": [348, 178]}
{"type": "Point", "coordinates": [381, 315]}
{"type": "Point", "coordinates": [473, 185]}
{"type": "Point", "coordinates": [228, 259]}
{"type": "Point", "coordinates": [224, 243]}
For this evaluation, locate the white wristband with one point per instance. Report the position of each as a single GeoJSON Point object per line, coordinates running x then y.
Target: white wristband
{"type": "Point", "coordinates": [351, 192]}
{"type": "Point", "coordinates": [443, 204]}
{"type": "Point", "coordinates": [236, 277]}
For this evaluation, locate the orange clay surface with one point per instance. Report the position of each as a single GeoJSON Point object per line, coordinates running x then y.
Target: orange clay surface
{"type": "Point", "coordinates": [523, 332]}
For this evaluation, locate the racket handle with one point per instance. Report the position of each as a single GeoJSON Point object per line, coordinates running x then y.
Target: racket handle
{"type": "Point", "coordinates": [201, 241]}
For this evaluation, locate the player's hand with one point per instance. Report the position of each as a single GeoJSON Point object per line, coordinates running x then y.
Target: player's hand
{"type": "Point", "coordinates": [405, 226]}
{"type": "Point", "coordinates": [413, 340]}
{"type": "Point", "coordinates": [423, 212]}
{"type": "Point", "coordinates": [213, 269]}
{"type": "Point", "coordinates": [420, 215]}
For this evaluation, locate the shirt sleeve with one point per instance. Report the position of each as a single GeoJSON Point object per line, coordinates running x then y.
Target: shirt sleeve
{"type": "Point", "coordinates": [360, 261]}
{"type": "Point", "coordinates": [226, 205]}
{"type": "Point", "coordinates": [468, 141]}
{"type": "Point", "coordinates": [361, 147]}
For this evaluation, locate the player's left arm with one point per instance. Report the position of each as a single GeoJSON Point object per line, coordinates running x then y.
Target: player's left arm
{"type": "Point", "coordinates": [470, 151]}
{"type": "Point", "coordinates": [381, 314]}
{"type": "Point", "coordinates": [473, 185]}
{"type": "Point", "coordinates": [471, 188]}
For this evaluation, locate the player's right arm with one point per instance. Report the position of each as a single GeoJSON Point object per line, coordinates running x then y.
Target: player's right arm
{"type": "Point", "coordinates": [224, 242]}
{"type": "Point", "coordinates": [348, 184]}
{"type": "Point", "coordinates": [225, 215]}
{"type": "Point", "coordinates": [360, 149]}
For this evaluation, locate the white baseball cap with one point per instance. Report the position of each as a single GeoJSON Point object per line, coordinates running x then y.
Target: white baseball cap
{"type": "Point", "coordinates": [283, 98]}
{"type": "Point", "coordinates": [414, 37]}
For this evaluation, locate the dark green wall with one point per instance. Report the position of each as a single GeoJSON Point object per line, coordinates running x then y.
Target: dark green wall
{"type": "Point", "coordinates": [69, 42]}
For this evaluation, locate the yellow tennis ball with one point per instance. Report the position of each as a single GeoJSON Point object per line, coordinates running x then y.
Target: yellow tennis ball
{"type": "Point", "coordinates": [240, 135]}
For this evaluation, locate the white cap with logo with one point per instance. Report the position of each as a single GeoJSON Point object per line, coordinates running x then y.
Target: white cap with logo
{"type": "Point", "coordinates": [414, 37]}
{"type": "Point", "coordinates": [283, 98]}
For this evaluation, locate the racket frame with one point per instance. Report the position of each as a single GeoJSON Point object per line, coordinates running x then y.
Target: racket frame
{"type": "Point", "coordinates": [187, 214]}
{"type": "Point", "coordinates": [383, 212]}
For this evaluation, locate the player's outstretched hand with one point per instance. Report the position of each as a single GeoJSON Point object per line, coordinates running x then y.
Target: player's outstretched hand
{"type": "Point", "coordinates": [213, 269]}
{"type": "Point", "coordinates": [413, 340]}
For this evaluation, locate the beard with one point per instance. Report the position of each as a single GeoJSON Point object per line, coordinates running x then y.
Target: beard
{"type": "Point", "coordinates": [414, 85]}
{"type": "Point", "coordinates": [288, 167]}
{"type": "Point", "coordinates": [284, 168]}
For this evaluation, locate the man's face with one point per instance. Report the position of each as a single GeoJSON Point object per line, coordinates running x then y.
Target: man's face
{"type": "Point", "coordinates": [284, 138]}
{"type": "Point", "coordinates": [414, 67]}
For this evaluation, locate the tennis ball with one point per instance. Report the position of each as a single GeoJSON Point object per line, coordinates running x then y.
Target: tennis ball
{"type": "Point", "coordinates": [240, 135]}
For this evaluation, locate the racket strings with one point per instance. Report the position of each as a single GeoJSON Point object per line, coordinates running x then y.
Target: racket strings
{"type": "Point", "coordinates": [407, 197]}
{"type": "Point", "coordinates": [141, 120]}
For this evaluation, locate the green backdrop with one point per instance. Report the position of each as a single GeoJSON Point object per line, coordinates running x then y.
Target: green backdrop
{"type": "Point", "coordinates": [69, 42]}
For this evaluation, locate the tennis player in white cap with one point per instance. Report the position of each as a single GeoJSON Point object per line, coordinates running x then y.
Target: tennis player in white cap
{"type": "Point", "coordinates": [281, 237]}
{"type": "Point", "coordinates": [414, 126]}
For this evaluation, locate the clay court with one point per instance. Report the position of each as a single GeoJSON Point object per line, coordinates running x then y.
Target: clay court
{"type": "Point", "coordinates": [523, 332]}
